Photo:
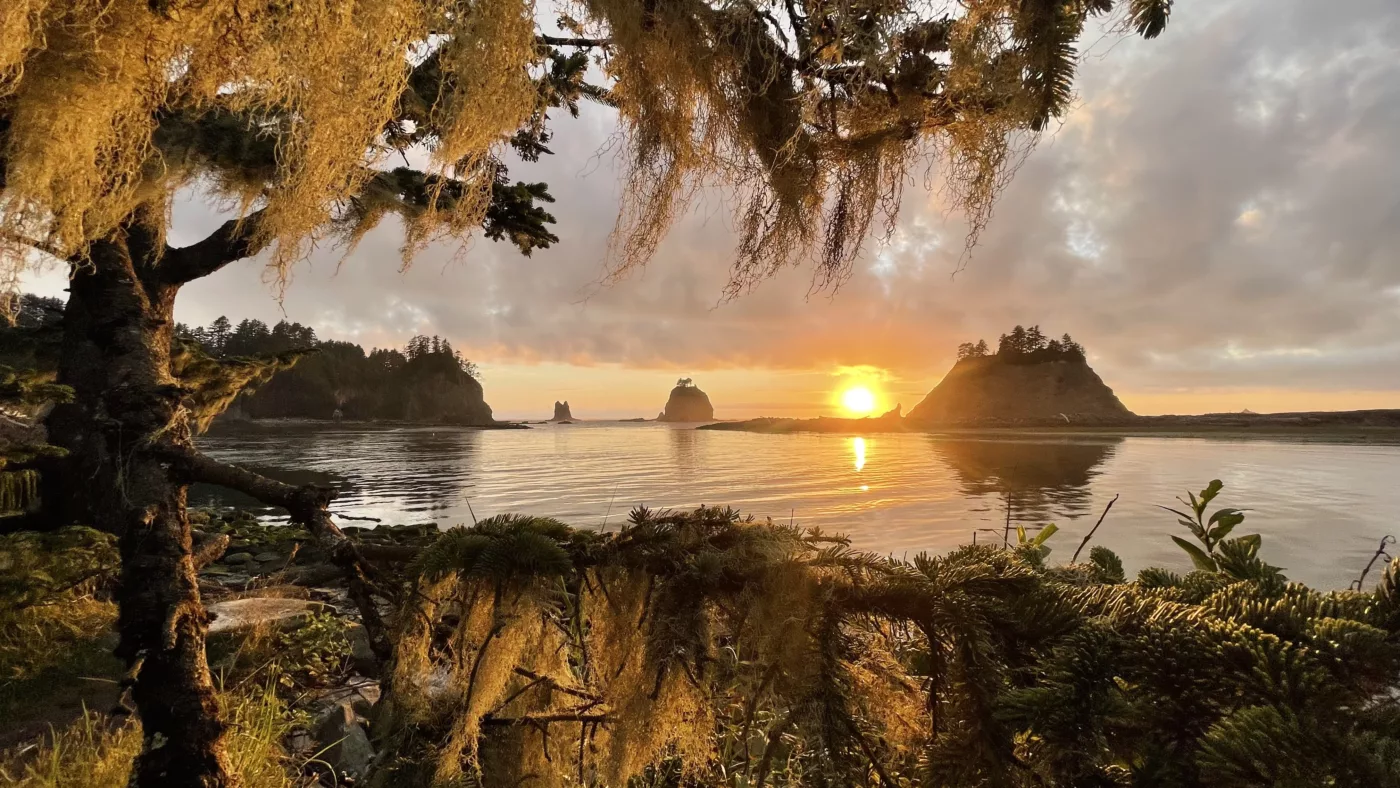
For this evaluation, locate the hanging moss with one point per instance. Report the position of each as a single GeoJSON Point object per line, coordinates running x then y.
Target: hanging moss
{"type": "Point", "coordinates": [18, 490]}
{"type": "Point", "coordinates": [211, 384]}
{"type": "Point", "coordinates": [702, 648]}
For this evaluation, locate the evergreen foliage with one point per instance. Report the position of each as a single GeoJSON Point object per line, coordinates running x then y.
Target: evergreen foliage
{"type": "Point", "coordinates": [703, 648]}
{"type": "Point", "coordinates": [1025, 346]}
{"type": "Point", "coordinates": [814, 113]}
{"type": "Point", "coordinates": [331, 376]}
{"type": "Point", "coordinates": [45, 568]}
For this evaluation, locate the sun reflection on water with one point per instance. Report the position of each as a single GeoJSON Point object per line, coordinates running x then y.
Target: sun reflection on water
{"type": "Point", "coordinates": [858, 446]}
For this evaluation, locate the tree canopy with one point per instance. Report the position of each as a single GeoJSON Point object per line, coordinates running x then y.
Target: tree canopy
{"type": "Point", "coordinates": [1026, 346]}
{"type": "Point", "coordinates": [813, 113]}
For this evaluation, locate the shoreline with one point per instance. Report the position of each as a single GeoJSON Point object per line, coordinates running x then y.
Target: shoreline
{"type": "Point", "coordinates": [1369, 426]}
{"type": "Point", "coordinates": [249, 425]}
{"type": "Point", "coordinates": [1336, 426]}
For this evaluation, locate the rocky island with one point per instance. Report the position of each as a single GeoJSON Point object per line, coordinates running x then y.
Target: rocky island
{"type": "Point", "coordinates": [1033, 382]}
{"type": "Point", "coordinates": [561, 412]}
{"type": "Point", "coordinates": [687, 403]}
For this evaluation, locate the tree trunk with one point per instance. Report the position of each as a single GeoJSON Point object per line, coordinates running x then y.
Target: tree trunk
{"type": "Point", "coordinates": [118, 329]}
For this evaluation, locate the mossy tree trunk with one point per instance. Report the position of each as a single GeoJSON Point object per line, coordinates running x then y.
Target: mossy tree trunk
{"type": "Point", "coordinates": [131, 455]}
{"type": "Point", "coordinates": [118, 329]}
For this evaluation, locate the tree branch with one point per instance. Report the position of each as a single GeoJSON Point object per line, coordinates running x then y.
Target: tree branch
{"type": "Point", "coordinates": [307, 506]}
{"type": "Point", "coordinates": [556, 41]}
{"type": "Point", "coordinates": [41, 246]}
{"type": "Point", "coordinates": [236, 239]}
{"type": "Point", "coordinates": [545, 719]}
{"type": "Point", "coordinates": [1090, 535]}
{"type": "Point", "coordinates": [208, 548]}
{"type": "Point", "coordinates": [556, 686]}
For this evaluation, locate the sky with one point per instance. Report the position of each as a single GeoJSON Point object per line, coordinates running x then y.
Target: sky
{"type": "Point", "coordinates": [1217, 221]}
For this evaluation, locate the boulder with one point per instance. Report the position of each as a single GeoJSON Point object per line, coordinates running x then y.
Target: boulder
{"type": "Point", "coordinates": [561, 412]}
{"type": "Point", "coordinates": [346, 745]}
{"type": "Point", "coordinates": [361, 654]}
{"type": "Point", "coordinates": [687, 403]}
{"type": "Point", "coordinates": [236, 615]}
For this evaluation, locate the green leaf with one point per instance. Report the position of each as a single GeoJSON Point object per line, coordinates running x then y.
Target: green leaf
{"type": "Point", "coordinates": [1196, 506]}
{"type": "Point", "coordinates": [1178, 512]}
{"type": "Point", "coordinates": [1208, 494]}
{"type": "Point", "coordinates": [1202, 561]}
{"type": "Point", "coordinates": [1224, 525]}
{"type": "Point", "coordinates": [1045, 533]}
{"type": "Point", "coordinates": [1020, 535]}
{"type": "Point", "coordinates": [1224, 513]}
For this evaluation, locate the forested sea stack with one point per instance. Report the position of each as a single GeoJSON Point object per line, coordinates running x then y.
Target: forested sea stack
{"type": "Point", "coordinates": [687, 403]}
{"type": "Point", "coordinates": [1029, 380]}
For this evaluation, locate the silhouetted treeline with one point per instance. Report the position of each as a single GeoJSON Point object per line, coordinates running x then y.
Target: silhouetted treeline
{"type": "Point", "coordinates": [1026, 346]}
{"type": "Point", "coordinates": [426, 381]}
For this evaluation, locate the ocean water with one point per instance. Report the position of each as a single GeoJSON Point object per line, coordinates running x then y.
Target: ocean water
{"type": "Point", "coordinates": [1322, 508]}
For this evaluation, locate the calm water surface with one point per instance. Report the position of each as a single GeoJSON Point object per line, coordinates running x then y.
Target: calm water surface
{"type": "Point", "coordinates": [1321, 507]}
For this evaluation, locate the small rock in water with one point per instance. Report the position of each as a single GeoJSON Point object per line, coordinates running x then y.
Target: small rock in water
{"type": "Point", "coordinates": [268, 557]}
{"type": "Point", "coordinates": [240, 614]}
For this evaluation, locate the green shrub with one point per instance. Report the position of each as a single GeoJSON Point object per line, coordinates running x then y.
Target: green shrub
{"type": "Point", "coordinates": [701, 648]}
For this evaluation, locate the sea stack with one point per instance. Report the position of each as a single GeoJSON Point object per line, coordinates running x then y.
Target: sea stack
{"type": "Point", "coordinates": [1028, 382]}
{"type": "Point", "coordinates": [561, 412]}
{"type": "Point", "coordinates": [687, 403]}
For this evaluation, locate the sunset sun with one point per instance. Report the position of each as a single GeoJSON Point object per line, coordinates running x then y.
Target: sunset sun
{"type": "Point", "coordinates": [858, 400]}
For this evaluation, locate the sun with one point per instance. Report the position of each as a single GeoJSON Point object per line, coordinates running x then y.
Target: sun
{"type": "Point", "coordinates": [858, 400]}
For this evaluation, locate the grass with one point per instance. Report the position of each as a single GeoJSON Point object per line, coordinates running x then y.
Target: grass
{"type": "Point", "coordinates": [56, 663]}
{"type": "Point", "coordinates": [58, 678]}
{"type": "Point", "coordinates": [97, 751]}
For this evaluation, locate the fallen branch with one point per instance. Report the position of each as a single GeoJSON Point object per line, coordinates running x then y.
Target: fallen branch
{"type": "Point", "coordinates": [308, 506]}
{"type": "Point", "coordinates": [354, 517]}
{"type": "Point", "coordinates": [208, 548]}
{"type": "Point", "coordinates": [1090, 535]}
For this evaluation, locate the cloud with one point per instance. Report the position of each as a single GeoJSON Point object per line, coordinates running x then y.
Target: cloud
{"type": "Point", "coordinates": [1220, 211]}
